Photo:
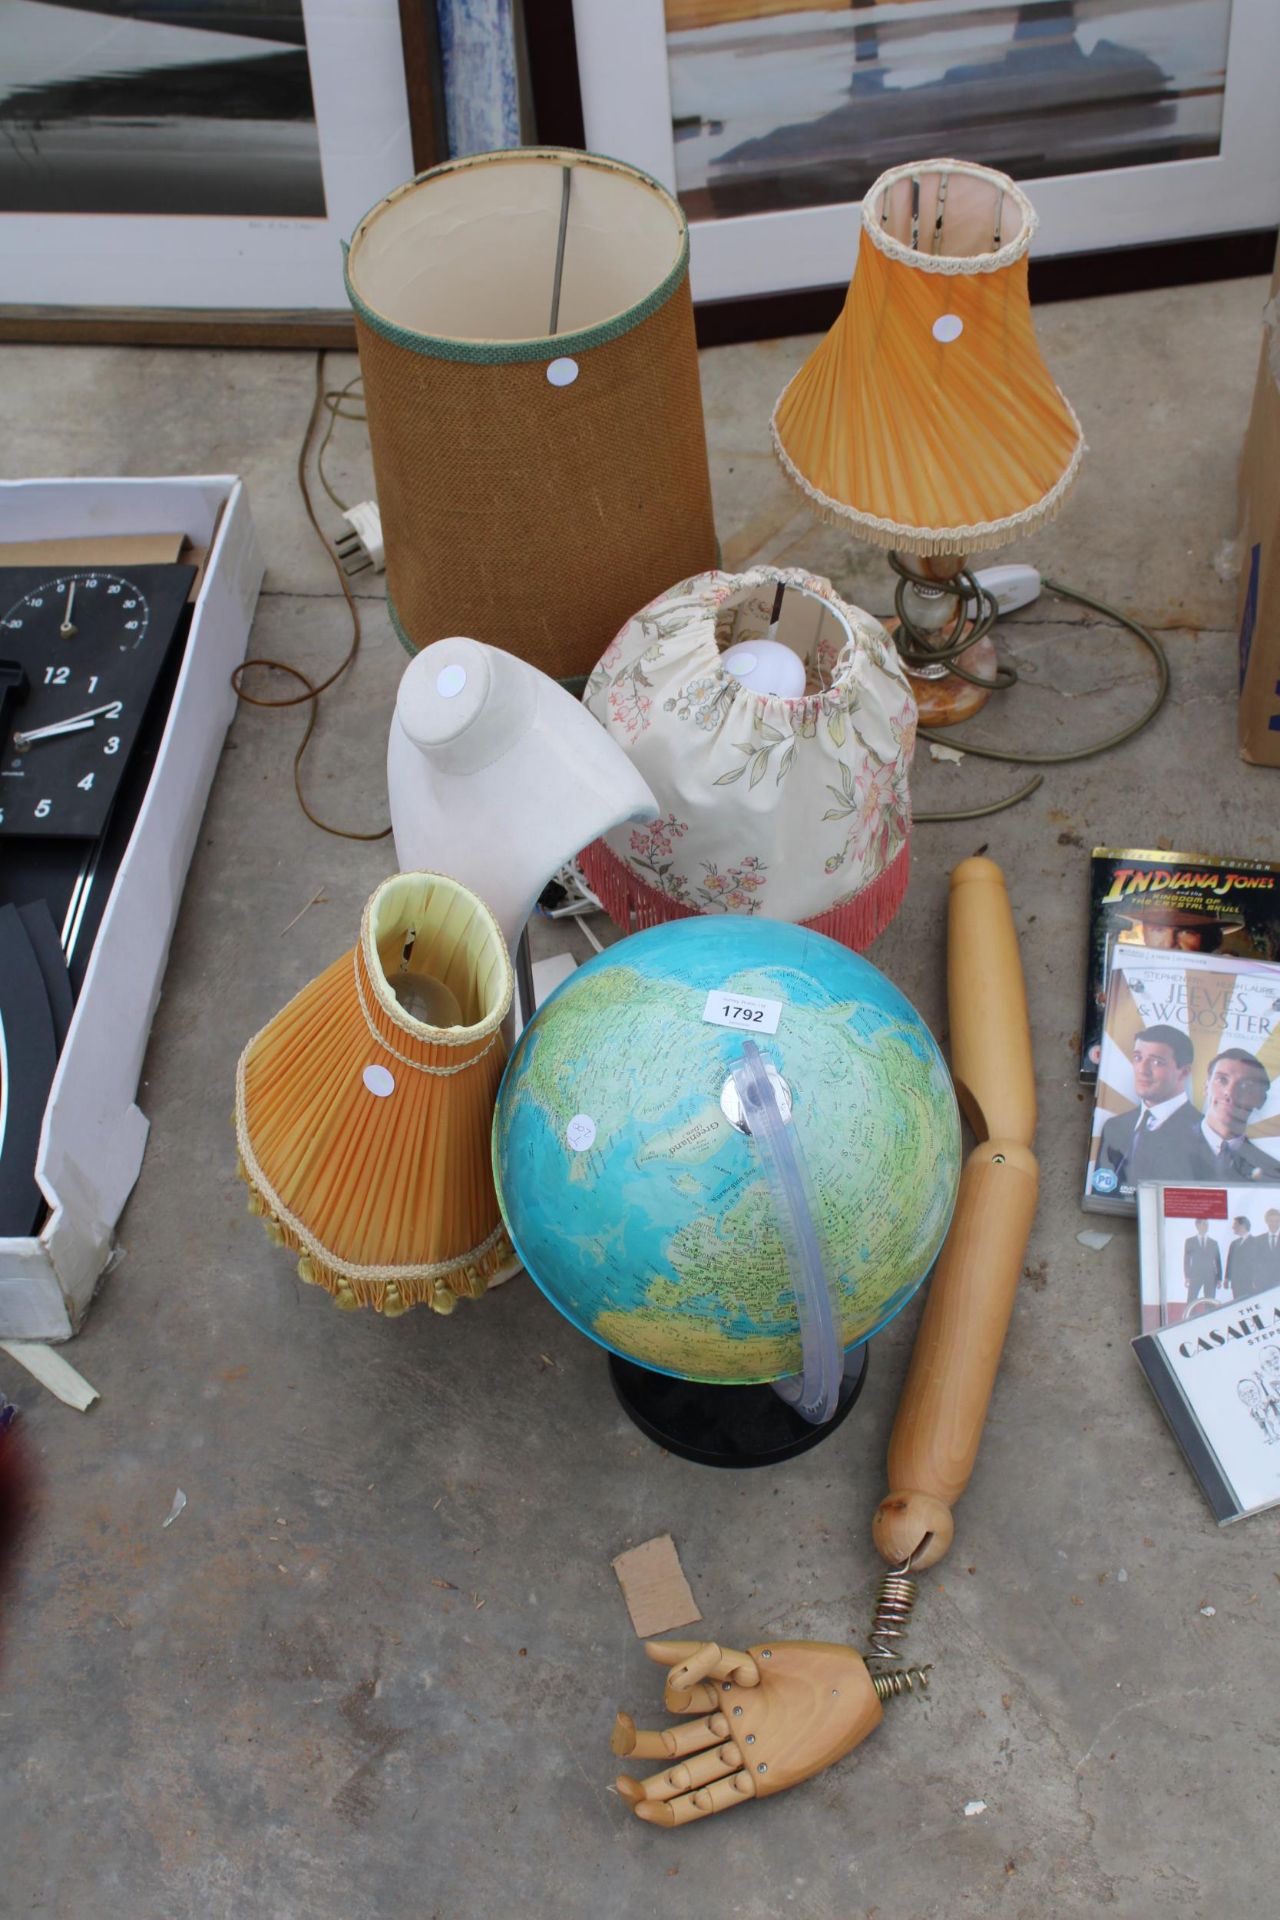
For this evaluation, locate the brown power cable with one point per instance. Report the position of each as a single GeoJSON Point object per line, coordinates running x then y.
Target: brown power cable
{"type": "Point", "coordinates": [311, 697]}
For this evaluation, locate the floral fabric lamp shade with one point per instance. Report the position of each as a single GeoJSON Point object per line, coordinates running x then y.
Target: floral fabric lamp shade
{"type": "Point", "coordinates": [793, 807]}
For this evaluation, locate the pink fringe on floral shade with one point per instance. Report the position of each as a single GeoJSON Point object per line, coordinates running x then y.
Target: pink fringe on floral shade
{"type": "Point", "coordinates": [632, 904]}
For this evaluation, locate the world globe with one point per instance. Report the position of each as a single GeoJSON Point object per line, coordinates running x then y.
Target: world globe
{"type": "Point", "coordinates": [638, 1202]}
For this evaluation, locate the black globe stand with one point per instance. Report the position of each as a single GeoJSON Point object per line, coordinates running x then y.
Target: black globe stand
{"type": "Point", "coordinates": [725, 1426]}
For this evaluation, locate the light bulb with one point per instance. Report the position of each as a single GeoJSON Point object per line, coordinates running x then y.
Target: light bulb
{"type": "Point", "coordinates": [427, 999]}
{"type": "Point", "coordinates": [766, 666]}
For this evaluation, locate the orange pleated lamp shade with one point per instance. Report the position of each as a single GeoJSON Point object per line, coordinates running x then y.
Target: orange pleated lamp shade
{"type": "Point", "coordinates": [926, 420]}
{"type": "Point", "coordinates": [364, 1109]}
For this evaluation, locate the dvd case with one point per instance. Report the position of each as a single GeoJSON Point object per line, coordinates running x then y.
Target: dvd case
{"type": "Point", "coordinates": [1175, 902]}
{"type": "Point", "coordinates": [1187, 1087]}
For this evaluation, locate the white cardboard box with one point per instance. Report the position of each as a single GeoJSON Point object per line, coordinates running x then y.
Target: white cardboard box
{"type": "Point", "coordinates": [93, 1137]}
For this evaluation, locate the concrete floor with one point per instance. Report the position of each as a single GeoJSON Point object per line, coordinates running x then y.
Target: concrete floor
{"type": "Point", "coordinates": [273, 1708]}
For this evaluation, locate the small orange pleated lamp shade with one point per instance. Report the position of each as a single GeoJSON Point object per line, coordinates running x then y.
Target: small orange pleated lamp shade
{"type": "Point", "coordinates": [927, 420]}
{"type": "Point", "coordinates": [364, 1109]}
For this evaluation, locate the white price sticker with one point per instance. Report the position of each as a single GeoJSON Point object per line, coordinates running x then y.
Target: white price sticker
{"type": "Point", "coordinates": [581, 1132]}
{"type": "Point", "coordinates": [725, 1008]}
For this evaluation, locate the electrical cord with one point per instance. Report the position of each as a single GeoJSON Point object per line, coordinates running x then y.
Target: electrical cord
{"type": "Point", "coordinates": [948, 738]}
{"type": "Point", "coordinates": [311, 697]}
{"type": "Point", "coordinates": [334, 400]}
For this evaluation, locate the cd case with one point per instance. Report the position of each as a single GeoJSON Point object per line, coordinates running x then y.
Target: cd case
{"type": "Point", "coordinates": [1201, 1246]}
{"type": "Point", "coordinates": [1217, 1379]}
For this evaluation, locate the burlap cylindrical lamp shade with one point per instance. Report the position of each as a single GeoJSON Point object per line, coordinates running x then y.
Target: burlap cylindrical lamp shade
{"type": "Point", "coordinates": [537, 482]}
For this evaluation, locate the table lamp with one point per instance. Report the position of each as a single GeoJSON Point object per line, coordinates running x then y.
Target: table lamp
{"type": "Point", "coordinates": [927, 421]}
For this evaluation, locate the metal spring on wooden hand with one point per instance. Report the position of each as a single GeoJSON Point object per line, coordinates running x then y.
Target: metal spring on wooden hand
{"type": "Point", "coordinates": [894, 1604]}
{"type": "Point", "coordinates": [900, 1680]}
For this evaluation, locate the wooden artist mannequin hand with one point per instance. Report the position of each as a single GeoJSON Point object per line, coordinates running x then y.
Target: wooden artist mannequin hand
{"type": "Point", "coordinates": [767, 1719]}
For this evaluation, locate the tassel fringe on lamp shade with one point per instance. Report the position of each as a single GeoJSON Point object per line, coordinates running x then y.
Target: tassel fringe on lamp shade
{"type": "Point", "coordinates": [926, 420]}
{"type": "Point", "coordinates": [531, 382]}
{"type": "Point", "coordinates": [364, 1129]}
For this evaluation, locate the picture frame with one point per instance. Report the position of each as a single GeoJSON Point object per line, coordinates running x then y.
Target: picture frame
{"type": "Point", "coordinates": [255, 165]}
{"type": "Point", "coordinates": [633, 92]}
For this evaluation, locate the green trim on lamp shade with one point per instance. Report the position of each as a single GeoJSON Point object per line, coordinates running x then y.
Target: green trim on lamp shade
{"type": "Point", "coordinates": [499, 353]}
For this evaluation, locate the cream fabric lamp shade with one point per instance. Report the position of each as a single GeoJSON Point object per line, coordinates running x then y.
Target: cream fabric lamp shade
{"type": "Point", "coordinates": [926, 420]}
{"type": "Point", "coordinates": [537, 435]}
{"type": "Point", "coordinates": [363, 1110]}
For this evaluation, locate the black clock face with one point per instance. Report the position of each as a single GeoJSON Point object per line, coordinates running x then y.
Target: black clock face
{"type": "Point", "coordinates": [80, 653]}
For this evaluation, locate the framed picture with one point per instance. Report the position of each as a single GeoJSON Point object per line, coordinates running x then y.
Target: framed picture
{"type": "Point", "coordinates": [1129, 121]}
{"type": "Point", "coordinates": [188, 169]}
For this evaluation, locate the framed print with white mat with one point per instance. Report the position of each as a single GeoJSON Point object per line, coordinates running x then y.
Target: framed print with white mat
{"type": "Point", "coordinates": [189, 173]}
{"type": "Point", "coordinates": [1128, 122]}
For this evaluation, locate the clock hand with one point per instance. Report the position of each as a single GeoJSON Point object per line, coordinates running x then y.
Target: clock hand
{"type": "Point", "coordinates": [66, 629]}
{"type": "Point", "coordinates": [74, 723]}
{"type": "Point", "coordinates": [24, 740]}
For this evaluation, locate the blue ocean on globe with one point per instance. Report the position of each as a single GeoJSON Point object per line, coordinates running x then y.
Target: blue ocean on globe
{"type": "Point", "coordinates": [640, 1209]}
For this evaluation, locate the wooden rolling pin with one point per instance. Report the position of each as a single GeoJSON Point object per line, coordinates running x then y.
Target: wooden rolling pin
{"type": "Point", "coordinates": [957, 1352]}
